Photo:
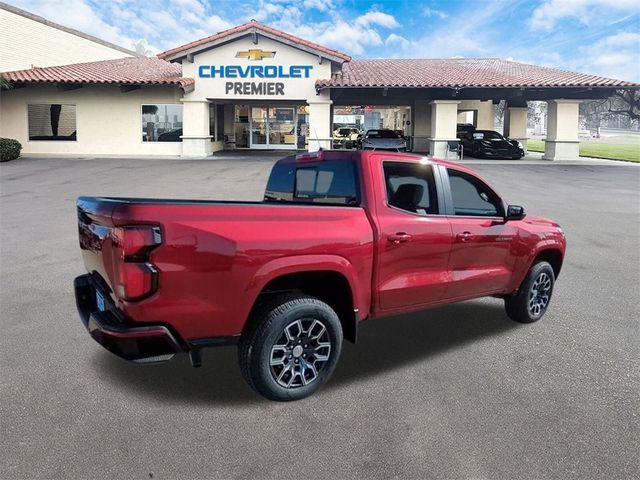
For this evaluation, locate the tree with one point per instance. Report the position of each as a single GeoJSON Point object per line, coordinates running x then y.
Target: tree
{"type": "Point", "coordinates": [149, 109]}
{"type": "Point", "coordinates": [140, 48]}
{"type": "Point", "coordinates": [536, 113]}
{"type": "Point", "coordinates": [499, 112]}
{"type": "Point", "coordinates": [4, 83]}
{"type": "Point", "coordinates": [623, 103]}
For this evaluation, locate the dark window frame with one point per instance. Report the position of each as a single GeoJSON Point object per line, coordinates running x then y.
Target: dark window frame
{"type": "Point", "coordinates": [437, 188]}
{"type": "Point", "coordinates": [449, 194]}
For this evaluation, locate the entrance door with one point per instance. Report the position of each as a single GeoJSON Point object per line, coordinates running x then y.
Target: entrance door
{"type": "Point", "coordinates": [273, 127]}
{"type": "Point", "coordinates": [259, 127]}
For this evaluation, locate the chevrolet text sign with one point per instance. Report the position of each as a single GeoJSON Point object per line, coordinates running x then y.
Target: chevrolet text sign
{"type": "Point", "coordinates": [254, 71]}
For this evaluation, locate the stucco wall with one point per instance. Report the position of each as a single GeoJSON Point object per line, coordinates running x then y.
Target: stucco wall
{"type": "Point", "coordinates": [25, 43]}
{"type": "Point", "coordinates": [107, 121]}
{"type": "Point", "coordinates": [485, 113]}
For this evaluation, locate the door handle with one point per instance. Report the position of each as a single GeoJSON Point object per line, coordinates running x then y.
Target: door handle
{"type": "Point", "coordinates": [400, 237]}
{"type": "Point", "coordinates": [464, 236]}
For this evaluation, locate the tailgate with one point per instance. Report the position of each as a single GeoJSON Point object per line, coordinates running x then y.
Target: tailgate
{"type": "Point", "coordinates": [94, 229]}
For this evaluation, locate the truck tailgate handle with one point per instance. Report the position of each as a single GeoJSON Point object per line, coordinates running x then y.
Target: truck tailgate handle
{"type": "Point", "coordinates": [400, 237]}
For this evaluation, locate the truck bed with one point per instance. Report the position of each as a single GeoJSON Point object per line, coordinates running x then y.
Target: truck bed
{"type": "Point", "coordinates": [216, 256]}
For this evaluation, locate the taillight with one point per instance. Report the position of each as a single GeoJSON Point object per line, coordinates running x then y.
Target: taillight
{"type": "Point", "coordinates": [135, 276]}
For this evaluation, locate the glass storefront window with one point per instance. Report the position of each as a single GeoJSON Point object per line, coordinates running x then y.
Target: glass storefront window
{"type": "Point", "coordinates": [162, 123]}
{"type": "Point", "coordinates": [259, 117]}
{"type": "Point", "coordinates": [303, 127]}
{"type": "Point", "coordinates": [216, 122]}
{"type": "Point", "coordinates": [52, 122]}
{"type": "Point", "coordinates": [241, 126]}
{"type": "Point", "coordinates": [282, 129]}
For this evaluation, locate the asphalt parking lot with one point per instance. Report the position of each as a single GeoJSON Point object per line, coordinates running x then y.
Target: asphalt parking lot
{"type": "Point", "coordinates": [455, 392]}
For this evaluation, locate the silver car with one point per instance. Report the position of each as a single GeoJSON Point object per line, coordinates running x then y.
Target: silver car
{"type": "Point", "coordinates": [383, 139]}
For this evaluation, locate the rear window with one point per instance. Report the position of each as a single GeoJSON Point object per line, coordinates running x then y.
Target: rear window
{"type": "Point", "coordinates": [328, 182]}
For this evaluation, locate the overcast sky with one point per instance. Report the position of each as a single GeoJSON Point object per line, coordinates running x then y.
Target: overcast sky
{"type": "Point", "coordinates": [601, 37]}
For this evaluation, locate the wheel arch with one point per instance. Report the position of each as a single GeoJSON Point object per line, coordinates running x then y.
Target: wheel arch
{"type": "Point", "coordinates": [551, 255]}
{"type": "Point", "coordinates": [333, 283]}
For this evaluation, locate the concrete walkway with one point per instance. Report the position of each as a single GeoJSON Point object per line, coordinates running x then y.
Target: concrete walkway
{"type": "Point", "coordinates": [532, 158]}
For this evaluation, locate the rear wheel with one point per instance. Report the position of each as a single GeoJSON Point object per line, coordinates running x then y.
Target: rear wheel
{"type": "Point", "coordinates": [291, 347]}
{"type": "Point", "coordinates": [532, 299]}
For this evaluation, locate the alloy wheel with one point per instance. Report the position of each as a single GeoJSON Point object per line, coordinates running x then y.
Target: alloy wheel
{"type": "Point", "coordinates": [539, 294]}
{"type": "Point", "coordinates": [300, 353]}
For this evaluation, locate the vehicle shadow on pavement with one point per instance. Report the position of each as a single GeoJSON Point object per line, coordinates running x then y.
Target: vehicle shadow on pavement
{"type": "Point", "coordinates": [218, 380]}
{"type": "Point", "coordinates": [389, 343]}
{"type": "Point", "coordinates": [383, 345]}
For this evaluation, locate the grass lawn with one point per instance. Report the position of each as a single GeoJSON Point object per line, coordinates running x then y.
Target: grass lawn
{"type": "Point", "coordinates": [630, 153]}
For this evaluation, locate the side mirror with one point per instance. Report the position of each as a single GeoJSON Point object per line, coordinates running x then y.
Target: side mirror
{"type": "Point", "coordinates": [515, 212]}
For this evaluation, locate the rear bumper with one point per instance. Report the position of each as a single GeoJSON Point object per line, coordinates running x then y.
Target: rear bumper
{"type": "Point", "coordinates": [146, 344]}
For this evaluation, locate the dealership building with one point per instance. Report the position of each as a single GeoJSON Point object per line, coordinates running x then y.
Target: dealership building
{"type": "Point", "coordinates": [254, 87]}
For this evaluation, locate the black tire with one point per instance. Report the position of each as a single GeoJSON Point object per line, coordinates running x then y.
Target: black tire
{"type": "Point", "coordinates": [264, 337]}
{"type": "Point", "coordinates": [529, 304]}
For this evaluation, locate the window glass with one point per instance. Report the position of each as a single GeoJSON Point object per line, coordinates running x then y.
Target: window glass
{"type": "Point", "coordinates": [216, 122]}
{"type": "Point", "coordinates": [162, 123]}
{"type": "Point", "coordinates": [329, 182]}
{"type": "Point", "coordinates": [52, 122]}
{"type": "Point", "coordinates": [487, 135]}
{"type": "Point", "coordinates": [473, 197]}
{"type": "Point", "coordinates": [411, 187]}
{"type": "Point", "coordinates": [382, 134]}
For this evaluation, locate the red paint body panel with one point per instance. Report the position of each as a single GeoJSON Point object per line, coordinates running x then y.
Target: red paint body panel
{"type": "Point", "coordinates": [215, 258]}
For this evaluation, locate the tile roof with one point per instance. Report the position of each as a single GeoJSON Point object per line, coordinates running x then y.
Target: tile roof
{"type": "Point", "coordinates": [258, 26]}
{"type": "Point", "coordinates": [459, 73]}
{"type": "Point", "coordinates": [127, 71]}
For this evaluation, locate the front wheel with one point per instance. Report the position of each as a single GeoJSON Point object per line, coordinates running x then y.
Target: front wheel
{"type": "Point", "coordinates": [291, 347]}
{"type": "Point", "coordinates": [532, 299]}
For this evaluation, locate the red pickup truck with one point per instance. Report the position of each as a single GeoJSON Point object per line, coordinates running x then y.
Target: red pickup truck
{"type": "Point", "coordinates": [340, 237]}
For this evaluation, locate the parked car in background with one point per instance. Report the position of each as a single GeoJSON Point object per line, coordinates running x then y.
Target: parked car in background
{"type": "Point", "coordinates": [383, 139]}
{"type": "Point", "coordinates": [464, 128]}
{"type": "Point", "coordinates": [346, 137]}
{"type": "Point", "coordinates": [490, 144]}
{"type": "Point", "coordinates": [339, 238]}
{"type": "Point", "coordinates": [171, 136]}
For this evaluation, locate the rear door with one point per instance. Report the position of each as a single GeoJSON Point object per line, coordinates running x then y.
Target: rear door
{"type": "Point", "coordinates": [414, 236]}
{"type": "Point", "coordinates": [481, 259]}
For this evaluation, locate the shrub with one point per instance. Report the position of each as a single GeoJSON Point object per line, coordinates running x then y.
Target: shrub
{"type": "Point", "coordinates": [9, 149]}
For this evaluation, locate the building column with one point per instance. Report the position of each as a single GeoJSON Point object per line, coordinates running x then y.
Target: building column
{"type": "Point", "coordinates": [421, 123]}
{"type": "Point", "coordinates": [562, 130]}
{"type": "Point", "coordinates": [486, 115]}
{"type": "Point", "coordinates": [196, 139]}
{"type": "Point", "coordinates": [444, 116]}
{"type": "Point", "coordinates": [515, 124]}
{"type": "Point", "coordinates": [319, 122]}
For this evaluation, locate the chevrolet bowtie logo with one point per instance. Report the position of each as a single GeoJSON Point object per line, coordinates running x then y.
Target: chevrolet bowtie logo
{"type": "Point", "coordinates": [255, 54]}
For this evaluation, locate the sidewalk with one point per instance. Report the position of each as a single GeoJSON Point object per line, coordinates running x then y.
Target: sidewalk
{"type": "Point", "coordinates": [532, 158]}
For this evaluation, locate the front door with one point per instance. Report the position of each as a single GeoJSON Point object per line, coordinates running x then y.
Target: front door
{"type": "Point", "coordinates": [481, 259]}
{"type": "Point", "coordinates": [273, 128]}
{"type": "Point", "coordinates": [414, 239]}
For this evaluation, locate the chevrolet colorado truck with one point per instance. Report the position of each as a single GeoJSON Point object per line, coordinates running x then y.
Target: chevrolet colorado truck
{"type": "Point", "coordinates": [340, 237]}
